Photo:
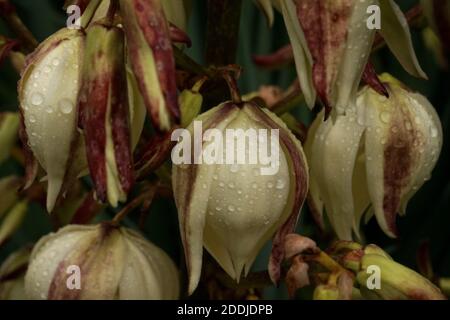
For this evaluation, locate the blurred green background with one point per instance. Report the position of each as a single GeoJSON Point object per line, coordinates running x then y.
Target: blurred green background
{"type": "Point", "coordinates": [428, 213]}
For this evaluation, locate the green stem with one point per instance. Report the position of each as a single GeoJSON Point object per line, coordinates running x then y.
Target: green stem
{"type": "Point", "coordinates": [186, 63]}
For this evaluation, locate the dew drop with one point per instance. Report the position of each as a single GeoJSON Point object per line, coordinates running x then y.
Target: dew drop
{"type": "Point", "coordinates": [234, 168]}
{"type": "Point", "coordinates": [231, 208]}
{"type": "Point", "coordinates": [32, 119]}
{"type": "Point", "coordinates": [49, 110]}
{"type": "Point", "coordinates": [385, 116]}
{"type": "Point", "coordinates": [254, 185]}
{"type": "Point", "coordinates": [280, 184]}
{"type": "Point", "coordinates": [65, 106]}
{"type": "Point", "coordinates": [215, 177]}
{"type": "Point", "coordinates": [231, 185]}
{"type": "Point", "coordinates": [269, 185]}
{"type": "Point", "coordinates": [434, 132]}
{"type": "Point", "coordinates": [37, 99]}
{"type": "Point", "coordinates": [56, 62]}
{"type": "Point", "coordinates": [408, 125]}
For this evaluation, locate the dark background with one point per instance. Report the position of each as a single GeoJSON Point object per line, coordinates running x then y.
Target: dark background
{"type": "Point", "coordinates": [428, 213]}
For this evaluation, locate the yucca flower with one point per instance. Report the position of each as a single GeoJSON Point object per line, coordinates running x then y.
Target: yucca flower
{"type": "Point", "coordinates": [114, 263]}
{"type": "Point", "coordinates": [233, 209]}
{"type": "Point", "coordinates": [377, 155]}
{"type": "Point", "coordinates": [332, 41]}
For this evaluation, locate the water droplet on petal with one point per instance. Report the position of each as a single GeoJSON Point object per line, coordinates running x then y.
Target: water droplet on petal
{"type": "Point", "coordinates": [65, 106]}
{"type": "Point", "coordinates": [280, 184]}
{"type": "Point", "coordinates": [231, 208]}
{"type": "Point", "coordinates": [37, 99]}
{"type": "Point", "coordinates": [434, 132]}
{"type": "Point", "coordinates": [55, 62]}
{"type": "Point", "coordinates": [385, 116]}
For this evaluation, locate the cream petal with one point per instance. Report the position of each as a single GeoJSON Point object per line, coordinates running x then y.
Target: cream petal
{"type": "Point", "coordinates": [166, 284]}
{"type": "Point", "coordinates": [302, 56]}
{"type": "Point", "coordinates": [428, 120]}
{"type": "Point", "coordinates": [242, 224]}
{"type": "Point", "coordinates": [176, 11]}
{"type": "Point", "coordinates": [46, 255]}
{"type": "Point", "coordinates": [335, 161]}
{"type": "Point", "coordinates": [359, 43]}
{"type": "Point", "coordinates": [403, 142]}
{"type": "Point", "coordinates": [361, 198]}
{"type": "Point", "coordinates": [48, 95]}
{"type": "Point", "coordinates": [267, 7]}
{"type": "Point", "coordinates": [192, 205]}
{"type": "Point", "coordinates": [315, 201]}
{"type": "Point", "coordinates": [395, 31]}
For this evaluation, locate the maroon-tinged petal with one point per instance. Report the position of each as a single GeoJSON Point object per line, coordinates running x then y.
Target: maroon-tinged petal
{"type": "Point", "coordinates": [153, 154]}
{"type": "Point", "coordinates": [6, 45]}
{"type": "Point", "coordinates": [325, 25]}
{"type": "Point", "coordinates": [370, 77]}
{"type": "Point", "coordinates": [189, 195]}
{"type": "Point", "coordinates": [296, 244]}
{"type": "Point", "coordinates": [104, 111]}
{"type": "Point", "coordinates": [299, 188]}
{"type": "Point", "coordinates": [402, 144]}
{"type": "Point", "coordinates": [297, 276]}
{"type": "Point", "coordinates": [151, 56]}
{"type": "Point", "coordinates": [179, 36]}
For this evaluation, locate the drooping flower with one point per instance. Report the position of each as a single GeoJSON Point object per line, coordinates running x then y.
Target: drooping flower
{"type": "Point", "coordinates": [99, 262]}
{"type": "Point", "coordinates": [227, 204]}
{"type": "Point", "coordinates": [378, 154]}
{"type": "Point", "coordinates": [332, 41]}
{"type": "Point", "coordinates": [48, 91]}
